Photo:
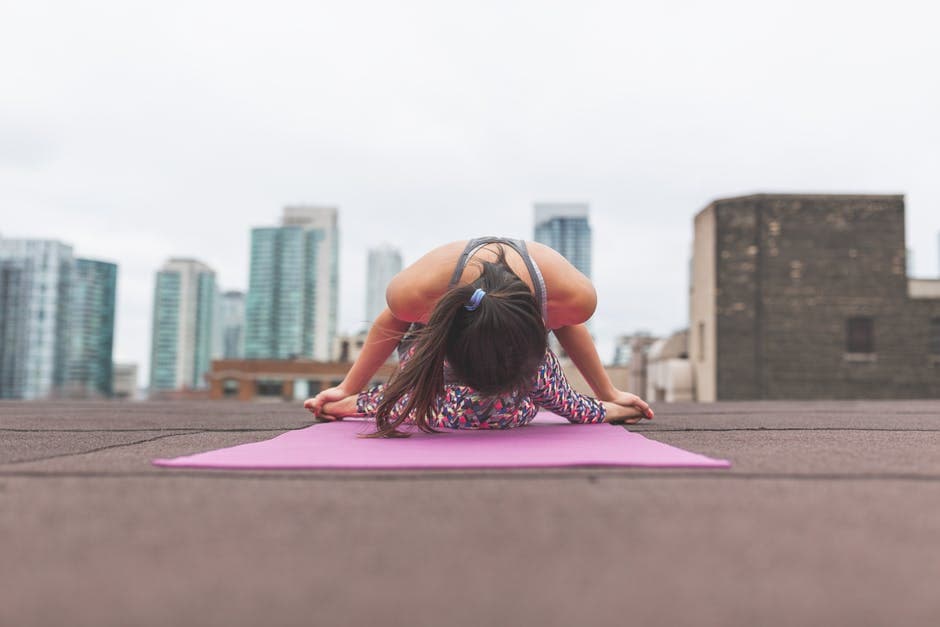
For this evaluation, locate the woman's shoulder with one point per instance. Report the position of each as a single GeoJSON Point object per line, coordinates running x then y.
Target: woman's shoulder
{"type": "Point", "coordinates": [571, 295]}
{"type": "Point", "coordinates": [413, 292]}
{"type": "Point", "coordinates": [557, 271]}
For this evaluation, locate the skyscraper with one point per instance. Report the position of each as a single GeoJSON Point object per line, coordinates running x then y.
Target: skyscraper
{"type": "Point", "coordinates": [34, 292]}
{"type": "Point", "coordinates": [184, 306]}
{"type": "Point", "coordinates": [292, 303]}
{"type": "Point", "coordinates": [92, 292]}
{"type": "Point", "coordinates": [384, 263]}
{"type": "Point", "coordinates": [56, 321]}
{"type": "Point", "coordinates": [233, 325]}
{"type": "Point", "coordinates": [564, 227]}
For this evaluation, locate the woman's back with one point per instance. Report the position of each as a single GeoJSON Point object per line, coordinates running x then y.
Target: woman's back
{"type": "Point", "coordinates": [569, 295]}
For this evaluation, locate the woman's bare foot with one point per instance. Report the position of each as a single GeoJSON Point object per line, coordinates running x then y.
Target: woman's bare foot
{"type": "Point", "coordinates": [337, 410]}
{"type": "Point", "coordinates": [620, 415]}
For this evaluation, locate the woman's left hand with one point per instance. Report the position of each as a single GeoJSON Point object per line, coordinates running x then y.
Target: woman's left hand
{"type": "Point", "coordinates": [331, 395]}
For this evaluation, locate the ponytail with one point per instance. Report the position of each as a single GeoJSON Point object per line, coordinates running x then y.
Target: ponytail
{"type": "Point", "coordinates": [413, 389]}
{"type": "Point", "coordinates": [491, 333]}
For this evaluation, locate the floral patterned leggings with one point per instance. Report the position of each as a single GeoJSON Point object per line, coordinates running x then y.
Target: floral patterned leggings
{"type": "Point", "coordinates": [461, 407]}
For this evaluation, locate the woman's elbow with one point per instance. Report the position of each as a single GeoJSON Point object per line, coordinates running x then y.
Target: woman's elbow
{"type": "Point", "coordinates": [587, 305]}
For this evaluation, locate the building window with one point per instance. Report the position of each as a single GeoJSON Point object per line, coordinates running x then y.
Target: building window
{"type": "Point", "coordinates": [860, 335]}
{"type": "Point", "coordinates": [230, 387]}
{"type": "Point", "coordinates": [935, 336]}
{"type": "Point", "coordinates": [270, 387]}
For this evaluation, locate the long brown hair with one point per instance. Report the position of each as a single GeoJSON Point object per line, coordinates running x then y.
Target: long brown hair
{"type": "Point", "coordinates": [494, 348]}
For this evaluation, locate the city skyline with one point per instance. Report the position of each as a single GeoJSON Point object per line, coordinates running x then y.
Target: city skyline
{"type": "Point", "coordinates": [219, 341]}
{"type": "Point", "coordinates": [204, 127]}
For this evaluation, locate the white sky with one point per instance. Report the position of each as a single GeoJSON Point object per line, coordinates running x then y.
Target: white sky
{"type": "Point", "coordinates": [137, 131]}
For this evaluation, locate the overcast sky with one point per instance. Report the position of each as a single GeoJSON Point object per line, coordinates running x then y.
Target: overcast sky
{"type": "Point", "coordinates": [136, 131]}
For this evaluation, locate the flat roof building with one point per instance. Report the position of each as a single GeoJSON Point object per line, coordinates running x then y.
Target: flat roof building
{"type": "Point", "coordinates": [806, 296]}
{"type": "Point", "coordinates": [279, 379]}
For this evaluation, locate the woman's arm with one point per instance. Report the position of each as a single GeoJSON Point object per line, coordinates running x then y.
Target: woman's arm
{"type": "Point", "coordinates": [572, 300]}
{"type": "Point", "coordinates": [386, 332]}
{"type": "Point", "coordinates": [579, 345]}
{"type": "Point", "coordinates": [410, 295]}
{"type": "Point", "coordinates": [383, 337]}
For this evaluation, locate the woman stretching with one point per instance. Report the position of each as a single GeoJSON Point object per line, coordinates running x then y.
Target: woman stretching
{"type": "Point", "coordinates": [470, 320]}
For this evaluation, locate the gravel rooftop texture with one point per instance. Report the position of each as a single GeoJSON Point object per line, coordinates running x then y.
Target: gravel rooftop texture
{"type": "Point", "coordinates": [829, 516]}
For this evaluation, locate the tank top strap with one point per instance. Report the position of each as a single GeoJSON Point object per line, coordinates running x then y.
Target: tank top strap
{"type": "Point", "coordinates": [468, 251]}
{"type": "Point", "coordinates": [538, 282]}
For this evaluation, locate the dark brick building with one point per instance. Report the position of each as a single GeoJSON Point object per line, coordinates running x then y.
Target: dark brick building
{"type": "Point", "coordinates": [807, 296]}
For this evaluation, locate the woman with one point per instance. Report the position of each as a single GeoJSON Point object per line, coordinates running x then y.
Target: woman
{"type": "Point", "coordinates": [474, 316]}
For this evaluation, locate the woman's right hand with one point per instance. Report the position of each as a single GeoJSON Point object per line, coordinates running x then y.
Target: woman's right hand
{"type": "Point", "coordinates": [627, 409]}
{"type": "Point", "coordinates": [330, 395]}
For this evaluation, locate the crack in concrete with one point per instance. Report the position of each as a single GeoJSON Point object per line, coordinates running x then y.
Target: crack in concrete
{"type": "Point", "coordinates": [313, 475]}
{"type": "Point", "coordinates": [94, 450]}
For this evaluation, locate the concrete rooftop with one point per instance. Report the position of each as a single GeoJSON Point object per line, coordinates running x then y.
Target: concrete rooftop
{"type": "Point", "coordinates": [830, 516]}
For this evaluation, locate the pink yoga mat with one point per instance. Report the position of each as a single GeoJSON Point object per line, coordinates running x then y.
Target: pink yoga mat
{"type": "Point", "coordinates": [549, 441]}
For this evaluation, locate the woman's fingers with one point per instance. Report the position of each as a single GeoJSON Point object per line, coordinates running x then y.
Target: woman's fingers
{"type": "Point", "coordinates": [315, 404]}
{"type": "Point", "coordinates": [622, 414]}
{"type": "Point", "coordinates": [643, 407]}
{"type": "Point", "coordinates": [632, 400]}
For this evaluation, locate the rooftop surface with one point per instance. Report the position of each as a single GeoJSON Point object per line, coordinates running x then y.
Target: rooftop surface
{"type": "Point", "coordinates": [829, 516]}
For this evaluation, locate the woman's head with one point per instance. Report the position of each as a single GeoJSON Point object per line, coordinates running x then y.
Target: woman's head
{"type": "Point", "coordinates": [490, 332]}
{"type": "Point", "coordinates": [496, 336]}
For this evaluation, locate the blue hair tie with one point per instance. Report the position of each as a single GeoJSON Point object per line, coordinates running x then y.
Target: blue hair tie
{"type": "Point", "coordinates": [475, 300]}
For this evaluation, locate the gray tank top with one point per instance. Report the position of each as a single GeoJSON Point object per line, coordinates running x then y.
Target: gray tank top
{"type": "Point", "coordinates": [519, 246]}
{"type": "Point", "coordinates": [538, 282]}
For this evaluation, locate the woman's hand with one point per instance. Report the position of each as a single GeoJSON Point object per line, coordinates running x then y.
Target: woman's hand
{"type": "Point", "coordinates": [626, 408]}
{"type": "Point", "coordinates": [330, 395]}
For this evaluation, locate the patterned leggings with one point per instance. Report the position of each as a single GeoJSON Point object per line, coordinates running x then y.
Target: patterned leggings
{"type": "Point", "coordinates": [461, 407]}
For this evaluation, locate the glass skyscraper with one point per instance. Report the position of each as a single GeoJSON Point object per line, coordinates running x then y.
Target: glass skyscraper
{"type": "Point", "coordinates": [384, 263]}
{"type": "Point", "coordinates": [56, 321]}
{"type": "Point", "coordinates": [292, 303]}
{"type": "Point", "coordinates": [92, 295]}
{"type": "Point", "coordinates": [233, 325]}
{"type": "Point", "coordinates": [184, 308]}
{"type": "Point", "coordinates": [564, 227]}
{"type": "Point", "coordinates": [34, 290]}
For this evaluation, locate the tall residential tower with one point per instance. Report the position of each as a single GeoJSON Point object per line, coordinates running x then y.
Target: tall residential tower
{"type": "Point", "coordinates": [564, 227]}
{"type": "Point", "coordinates": [292, 304]}
{"type": "Point", "coordinates": [92, 297]}
{"type": "Point", "coordinates": [34, 290]}
{"type": "Point", "coordinates": [56, 321]}
{"type": "Point", "coordinates": [233, 324]}
{"type": "Point", "coordinates": [384, 263]}
{"type": "Point", "coordinates": [184, 305]}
